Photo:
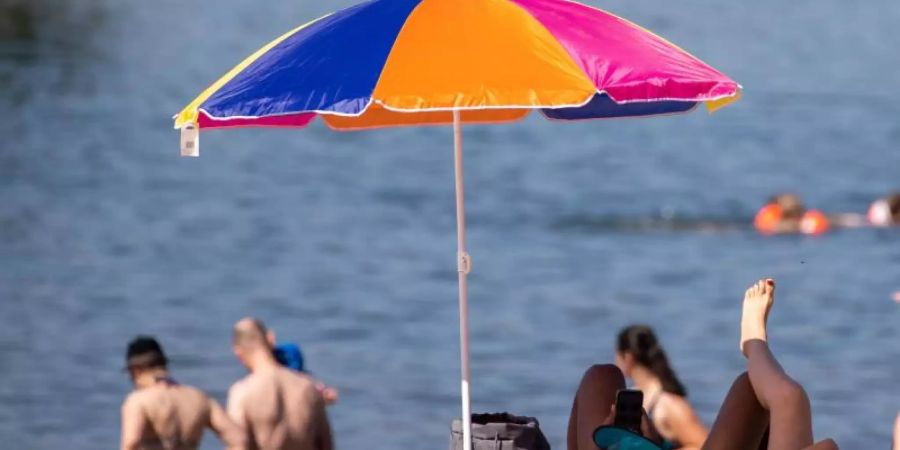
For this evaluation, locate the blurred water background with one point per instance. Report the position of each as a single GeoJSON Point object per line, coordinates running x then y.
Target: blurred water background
{"type": "Point", "coordinates": [345, 242]}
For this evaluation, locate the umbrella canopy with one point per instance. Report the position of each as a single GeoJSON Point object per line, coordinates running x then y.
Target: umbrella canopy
{"type": "Point", "coordinates": [374, 64]}
{"type": "Point", "coordinates": [389, 63]}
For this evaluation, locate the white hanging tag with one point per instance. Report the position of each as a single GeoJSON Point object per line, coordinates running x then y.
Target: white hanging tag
{"type": "Point", "coordinates": [190, 140]}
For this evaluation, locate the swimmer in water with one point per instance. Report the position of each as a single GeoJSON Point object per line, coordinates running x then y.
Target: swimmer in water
{"type": "Point", "coordinates": [885, 212]}
{"type": "Point", "coordinates": [161, 414]}
{"type": "Point", "coordinates": [642, 359]}
{"type": "Point", "coordinates": [785, 213]}
{"type": "Point", "coordinates": [882, 213]}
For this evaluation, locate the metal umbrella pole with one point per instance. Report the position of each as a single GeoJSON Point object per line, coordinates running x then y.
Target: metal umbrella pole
{"type": "Point", "coordinates": [464, 266]}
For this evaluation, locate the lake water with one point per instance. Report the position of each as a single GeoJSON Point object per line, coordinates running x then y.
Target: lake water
{"type": "Point", "coordinates": [345, 242]}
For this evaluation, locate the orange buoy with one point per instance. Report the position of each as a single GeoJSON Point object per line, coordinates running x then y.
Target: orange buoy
{"type": "Point", "coordinates": [814, 222]}
{"type": "Point", "coordinates": [768, 218]}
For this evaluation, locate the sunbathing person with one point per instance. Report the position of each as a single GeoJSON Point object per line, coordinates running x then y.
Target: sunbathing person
{"type": "Point", "coordinates": [643, 360]}
{"type": "Point", "coordinates": [765, 408]}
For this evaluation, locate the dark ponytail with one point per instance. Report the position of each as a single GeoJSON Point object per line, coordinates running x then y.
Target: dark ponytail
{"type": "Point", "coordinates": [640, 342]}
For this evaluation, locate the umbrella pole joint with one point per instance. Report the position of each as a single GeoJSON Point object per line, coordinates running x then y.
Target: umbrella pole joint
{"type": "Point", "coordinates": [464, 263]}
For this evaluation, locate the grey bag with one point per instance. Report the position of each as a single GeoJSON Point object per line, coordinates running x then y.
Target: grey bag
{"type": "Point", "coordinates": [500, 431]}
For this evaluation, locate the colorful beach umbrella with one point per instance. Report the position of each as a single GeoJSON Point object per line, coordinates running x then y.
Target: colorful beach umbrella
{"type": "Point", "coordinates": [389, 63]}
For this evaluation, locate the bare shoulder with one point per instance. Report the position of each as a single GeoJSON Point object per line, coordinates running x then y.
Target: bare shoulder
{"type": "Point", "coordinates": [299, 386]}
{"type": "Point", "coordinates": [194, 394]}
{"type": "Point", "coordinates": [675, 404]}
{"type": "Point", "coordinates": [134, 399]}
{"type": "Point", "coordinates": [299, 381]}
{"type": "Point", "coordinates": [191, 390]}
{"type": "Point", "coordinates": [265, 382]}
{"type": "Point", "coordinates": [135, 403]}
{"type": "Point", "coordinates": [253, 385]}
{"type": "Point", "coordinates": [237, 389]}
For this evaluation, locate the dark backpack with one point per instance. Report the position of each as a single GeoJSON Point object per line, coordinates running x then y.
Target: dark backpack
{"type": "Point", "coordinates": [500, 431]}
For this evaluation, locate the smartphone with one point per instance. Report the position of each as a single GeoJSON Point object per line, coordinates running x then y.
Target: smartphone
{"type": "Point", "coordinates": [629, 410]}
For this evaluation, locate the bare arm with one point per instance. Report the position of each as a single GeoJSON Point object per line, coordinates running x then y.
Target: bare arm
{"type": "Point", "coordinates": [231, 434]}
{"type": "Point", "coordinates": [324, 440]}
{"type": "Point", "coordinates": [133, 423]}
{"type": "Point", "coordinates": [685, 424]}
{"type": "Point", "coordinates": [236, 406]}
{"type": "Point", "coordinates": [897, 433]}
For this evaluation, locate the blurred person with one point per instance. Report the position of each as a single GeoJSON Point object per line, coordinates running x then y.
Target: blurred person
{"type": "Point", "coordinates": [642, 359]}
{"type": "Point", "coordinates": [897, 432]}
{"type": "Point", "coordinates": [882, 213]}
{"type": "Point", "coordinates": [163, 414]}
{"type": "Point", "coordinates": [885, 212]}
{"type": "Point", "coordinates": [280, 409]}
{"type": "Point", "coordinates": [785, 213]}
{"type": "Point", "coordinates": [765, 408]}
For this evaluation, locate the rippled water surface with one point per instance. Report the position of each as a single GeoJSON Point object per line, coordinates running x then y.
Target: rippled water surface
{"type": "Point", "coordinates": [345, 242]}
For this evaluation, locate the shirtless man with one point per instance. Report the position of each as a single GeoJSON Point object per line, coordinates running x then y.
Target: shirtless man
{"type": "Point", "coordinates": [280, 409]}
{"type": "Point", "coordinates": [162, 414]}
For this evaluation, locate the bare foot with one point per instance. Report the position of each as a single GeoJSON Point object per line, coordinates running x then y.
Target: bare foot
{"type": "Point", "coordinates": [757, 304]}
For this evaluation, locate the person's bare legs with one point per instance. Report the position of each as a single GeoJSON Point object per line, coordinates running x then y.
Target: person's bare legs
{"type": "Point", "coordinates": [742, 421]}
{"type": "Point", "coordinates": [790, 424]}
{"type": "Point", "coordinates": [764, 397]}
{"type": "Point", "coordinates": [593, 401]}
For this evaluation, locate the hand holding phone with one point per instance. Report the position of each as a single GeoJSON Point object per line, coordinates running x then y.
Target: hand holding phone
{"type": "Point", "coordinates": [629, 410]}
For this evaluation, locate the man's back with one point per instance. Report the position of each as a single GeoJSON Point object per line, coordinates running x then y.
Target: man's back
{"type": "Point", "coordinates": [280, 410]}
{"type": "Point", "coordinates": [169, 416]}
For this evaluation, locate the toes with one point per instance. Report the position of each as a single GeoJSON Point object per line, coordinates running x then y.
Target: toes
{"type": "Point", "coordinates": [762, 287]}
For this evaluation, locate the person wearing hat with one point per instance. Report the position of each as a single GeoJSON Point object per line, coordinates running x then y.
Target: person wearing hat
{"type": "Point", "coordinates": [162, 413]}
